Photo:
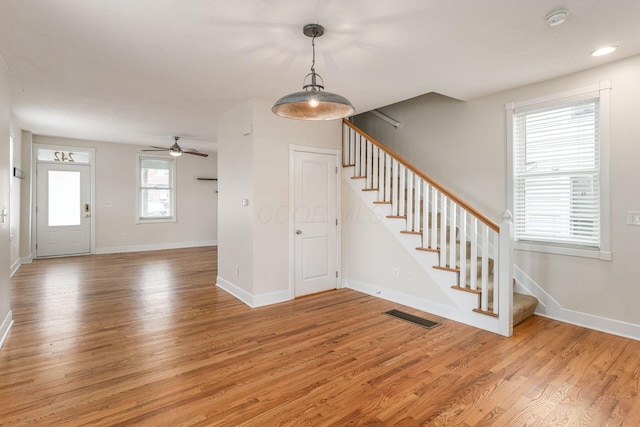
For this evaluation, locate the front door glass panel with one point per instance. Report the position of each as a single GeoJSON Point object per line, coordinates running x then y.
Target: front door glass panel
{"type": "Point", "coordinates": [64, 198]}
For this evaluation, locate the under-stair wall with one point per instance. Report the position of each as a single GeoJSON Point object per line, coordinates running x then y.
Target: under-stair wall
{"type": "Point", "coordinates": [438, 231]}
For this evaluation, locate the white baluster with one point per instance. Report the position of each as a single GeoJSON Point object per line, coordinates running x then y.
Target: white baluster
{"type": "Point", "coordinates": [409, 200]}
{"type": "Point", "coordinates": [444, 201]}
{"type": "Point", "coordinates": [485, 267]}
{"type": "Point", "coordinates": [387, 178]}
{"type": "Point", "coordinates": [381, 175]}
{"type": "Point", "coordinates": [434, 218]}
{"type": "Point", "coordinates": [426, 209]}
{"type": "Point", "coordinates": [352, 148]}
{"type": "Point", "coordinates": [345, 145]}
{"type": "Point", "coordinates": [369, 166]}
{"type": "Point", "coordinates": [462, 235]}
{"type": "Point", "coordinates": [417, 203]}
{"type": "Point", "coordinates": [363, 156]}
{"type": "Point", "coordinates": [358, 145]}
{"type": "Point", "coordinates": [394, 188]}
{"type": "Point", "coordinates": [473, 264]}
{"type": "Point", "coordinates": [376, 178]}
{"type": "Point", "coordinates": [401, 191]}
{"type": "Point", "coordinates": [452, 234]}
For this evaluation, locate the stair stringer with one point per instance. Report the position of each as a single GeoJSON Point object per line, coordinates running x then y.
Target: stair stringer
{"type": "Point", "coordinates": [462, 302]}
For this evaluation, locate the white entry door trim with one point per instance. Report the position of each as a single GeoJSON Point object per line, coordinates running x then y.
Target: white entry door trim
{"type": "Point", "coordinates": [34, 188]}
{"type": "Point", "coordinates": [293, 148]}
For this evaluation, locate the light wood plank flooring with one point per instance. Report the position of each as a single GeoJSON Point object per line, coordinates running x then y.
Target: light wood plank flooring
{"type": "Point", "coordinates": [148, 339]}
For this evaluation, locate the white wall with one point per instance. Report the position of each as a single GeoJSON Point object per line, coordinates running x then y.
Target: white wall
{"type": "Point", "coordinates": [463, 146]}
{"type": "Point", "coordinates": [272, 137]}
{"type": "Point", "coordinates": [255, 166]}
{"type": "Point", "coordinates": [115, 184]}
{"type": "Point", "coordinates": [16, 186]}
{"type": "Point", "coordinates": [371, 252]}
{"type": "Point", "coordinates": [5, 294]}
{"type": "Point", "coordinates": [25, 197]}
{"type": "Point", "coordinates": [235, 174]}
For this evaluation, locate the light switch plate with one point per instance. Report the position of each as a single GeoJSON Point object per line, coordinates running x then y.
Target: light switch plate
{"type": "Point", "coordinates": [633, 217]}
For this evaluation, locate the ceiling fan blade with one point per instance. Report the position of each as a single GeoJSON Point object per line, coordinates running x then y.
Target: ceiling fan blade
{"type": "Point", "coordinates": [195, 153]}
{"type": "Point", "coordinates": [162, 149]}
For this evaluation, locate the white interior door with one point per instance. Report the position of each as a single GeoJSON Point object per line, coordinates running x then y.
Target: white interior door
{"type": "Point", "coordinates": [315, 222]}
{"type": "Point", "coordinates": [63, 210]}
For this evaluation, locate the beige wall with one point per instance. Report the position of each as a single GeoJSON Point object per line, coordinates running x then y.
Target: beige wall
{"type": "Point", "coordinates": [5, 294]}
{"type": "Point", "coordinates": [235, 222]}
{"type": "Point", "coordinates": [25, 197]}
{"type": "Point", "coordinates": [370, 253]}
{"type": "Point", "coordinates": [16, 186]}
{"type": "Point", "coordinates": [463, 146]}
{"type": "Point", "coordinates": [115, 184]}
{"type": "Point", "coordinates": [254, 164]}
{"type": "Point", "coordinates": [272, 137]}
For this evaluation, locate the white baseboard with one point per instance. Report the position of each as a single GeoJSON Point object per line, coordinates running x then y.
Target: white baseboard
{"type": "Point", "coordinates": [5, 327]}
{"type": "Point", "coordinates": [551, 308]}
{"type": "Point", "coordinates": [155, 247]}
{"type": "Point", "coordinates": [16, 265]}
{"type": "Point", "coordinates": [448, 311]}
{"type": "Point", "coordinates": [234, 290]}
{"type": "Point", "coordinates": [252, 301]}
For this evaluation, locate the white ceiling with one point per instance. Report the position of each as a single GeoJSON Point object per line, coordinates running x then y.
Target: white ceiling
{"type": "Point", "coordinates": [139, 71]}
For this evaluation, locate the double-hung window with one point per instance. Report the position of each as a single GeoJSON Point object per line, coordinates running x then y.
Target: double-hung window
{"type": "Point", "coordinates": [559, 176]}
{"type": "Point", "coordinates": [156, 198]}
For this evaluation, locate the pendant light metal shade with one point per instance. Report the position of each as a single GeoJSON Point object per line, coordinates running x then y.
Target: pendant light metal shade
{"type": "Point", "coordinates": [312, 102]}
{"type": "Point", "coordinates": [310, 105]}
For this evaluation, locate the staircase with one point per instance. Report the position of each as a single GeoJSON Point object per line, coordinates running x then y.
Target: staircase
{"type": "Point", "coordinates": [465, 252]}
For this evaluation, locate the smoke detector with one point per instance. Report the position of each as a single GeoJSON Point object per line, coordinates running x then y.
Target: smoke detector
{"type": "Point", "coordinates": [557, 17]}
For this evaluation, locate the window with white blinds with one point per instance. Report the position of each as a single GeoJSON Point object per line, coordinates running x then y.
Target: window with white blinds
{"type": "Point", "coordinates": [557, 178]}
{"type": "Point", "coordinates": [156, 189]}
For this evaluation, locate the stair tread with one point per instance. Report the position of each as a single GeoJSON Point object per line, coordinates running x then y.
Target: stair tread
{"type": "Point", "coordinates": [523, 307]}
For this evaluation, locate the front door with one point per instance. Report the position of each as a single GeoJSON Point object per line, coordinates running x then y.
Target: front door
{"type": "Point", "coordinates": [315, 222]}
{"type": "Point", "coordinates": [63, 210]}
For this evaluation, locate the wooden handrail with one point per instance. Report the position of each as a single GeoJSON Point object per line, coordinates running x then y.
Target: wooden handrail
{"type": "Point", "coordinates": [484, 219]}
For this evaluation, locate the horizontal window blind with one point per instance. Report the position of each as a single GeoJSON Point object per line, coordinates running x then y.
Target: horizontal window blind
{"type": "Point", "coordinates": [156, 192]}
{"type": "Point", "coordinates": [556, 174]}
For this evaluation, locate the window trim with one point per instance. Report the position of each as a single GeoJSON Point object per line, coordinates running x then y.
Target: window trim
{"type": "Point", "coordinates": [603, 91]}
{"type": "Point", "coordinates": [173, 171]}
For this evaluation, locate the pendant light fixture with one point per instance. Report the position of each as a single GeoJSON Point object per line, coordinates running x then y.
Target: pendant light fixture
{"type": "Point", "coordinates": [312, 102]}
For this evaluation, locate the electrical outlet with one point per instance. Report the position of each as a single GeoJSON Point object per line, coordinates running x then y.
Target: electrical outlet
{"type": "Point", "coordinates": [395, 273]}
{"type": "Point", "coordinates": [633, 217]}
{"type": "Point", "coordinates": [237, 270]}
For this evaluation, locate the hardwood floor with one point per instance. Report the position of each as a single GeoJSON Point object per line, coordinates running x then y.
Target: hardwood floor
{"type": "Point", "coordinates": [148, 339]}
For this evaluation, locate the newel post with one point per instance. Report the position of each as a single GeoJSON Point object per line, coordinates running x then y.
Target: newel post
{"type": "Point", "coordinates": [505, 275]}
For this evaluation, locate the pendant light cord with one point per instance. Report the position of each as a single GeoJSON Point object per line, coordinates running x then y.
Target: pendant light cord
{"type": "Point", "coordinates": [313, 48]}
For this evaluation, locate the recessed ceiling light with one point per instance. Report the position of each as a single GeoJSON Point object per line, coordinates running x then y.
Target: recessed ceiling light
{"type": "Point", "coordinates": [557, 17]}
{"type": "Point", "coordinates": [604, 50]}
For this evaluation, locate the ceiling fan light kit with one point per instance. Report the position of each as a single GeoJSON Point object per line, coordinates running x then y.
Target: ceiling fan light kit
{"type": "Point", "coordinates": [312, 102]}
{"type": "Point", "coordinates": [175, 150]}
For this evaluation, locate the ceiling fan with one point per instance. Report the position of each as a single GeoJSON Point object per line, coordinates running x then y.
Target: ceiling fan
{"type": "Point", "coordinates": [175, 150]}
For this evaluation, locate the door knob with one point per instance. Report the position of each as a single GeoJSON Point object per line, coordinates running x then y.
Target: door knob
{"type": "Point", "coordinates": [298, 231]}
